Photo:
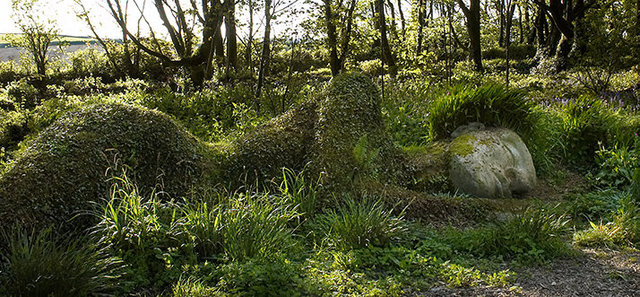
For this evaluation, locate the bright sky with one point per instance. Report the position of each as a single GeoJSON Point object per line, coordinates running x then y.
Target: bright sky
{"type": "Point", "coordinates": [62, 11]}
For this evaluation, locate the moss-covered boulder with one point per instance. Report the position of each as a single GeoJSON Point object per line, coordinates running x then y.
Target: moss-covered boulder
{"type": "Point", "coordinates": [64, 168]}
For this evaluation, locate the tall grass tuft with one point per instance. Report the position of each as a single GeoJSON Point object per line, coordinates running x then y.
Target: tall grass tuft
{"type": "Point", "coordinates": [256, 225]}
{"type": "Point", "coordinates": [144, 232]}
{"type": "Point", "coordinates": [586, 125]}
{"type": "Point", "coordinates": [492, 105]}
{"type": "Point", "coordinates": [533, 236]}
{"type": "Point", "coordinates": [36, 264]}
{"type": "Point", "coordinates": [130, 221]}
{"type": "Point", "coordinates": [299, 191]}
{"type": "Point", "coordinates": [205, 223]}
{"type": "Point", "coordinates": [192, 287]}
{"type": "Point", "coordinates": [358, 224]}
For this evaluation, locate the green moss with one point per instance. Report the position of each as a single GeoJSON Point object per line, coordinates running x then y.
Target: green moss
{"type": "Point", "coordinates": [430, 167]}
{"type": "Point", "coordinates": [463, 145]}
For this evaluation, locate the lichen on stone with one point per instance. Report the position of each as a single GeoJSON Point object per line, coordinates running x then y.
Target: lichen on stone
{"type": "Point", "coordinates": [463, 145]}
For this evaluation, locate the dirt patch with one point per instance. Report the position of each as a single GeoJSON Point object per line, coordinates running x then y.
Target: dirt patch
{"type": "Point", "coordinates": [595, 273]}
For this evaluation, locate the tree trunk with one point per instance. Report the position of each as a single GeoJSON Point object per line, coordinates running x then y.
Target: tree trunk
{"type": "Point", "coordinates": [393, 29]}
{"type": "Point", "coordinates": [249, 48]}
{"type": "Point", "coordinates": [402, 21]}
{"type": "Point", "coordinates": [501, 18]}
{"type": "Point", "coordinates": [509, 21]}
{"type": "Point", "coordinates": [421, 22]}
{"type": "Point", "coordinates": [638, 16]}
{"type": "Point", "coordinates": [218, 44]}
{"type": "Point", "coordinates": [520, 24]}
{"type": "Point", "coordinates": [540, 36]}
{"type": "Point", "coordinates": [230, 27]}
{"type": "Point", "coordinates": [387, 56]}
{"type": "Point", "coordinates": [332, 38]}
{"type": "Point", "coordinates": [266, 50]}
{"type": "Point", "coordinates": [346, 34]}
{"type": "Point", "coordinates": [472, 14]}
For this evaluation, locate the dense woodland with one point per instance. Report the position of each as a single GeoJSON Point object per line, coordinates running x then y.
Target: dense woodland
{"type": "Point", "coordinates": [304, 148]}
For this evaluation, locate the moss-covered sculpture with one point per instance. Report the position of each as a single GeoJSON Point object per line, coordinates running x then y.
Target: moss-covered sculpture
{"type": "Point", "coordinates": [64, 168]}
{"type": "Point", "coordinates": [338, 136]}
{"type": "Point", "coordinates": [282, 142]}
{"type": "Point", "coordinates": [350, 140]}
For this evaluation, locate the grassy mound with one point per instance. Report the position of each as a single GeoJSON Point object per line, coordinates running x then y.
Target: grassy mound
{"type": "Point", "coordinates": [64, 168]}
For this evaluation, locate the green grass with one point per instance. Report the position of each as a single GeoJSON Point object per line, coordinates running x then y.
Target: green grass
{"type": "Point", "coordinates": [492, 105]}
{"type": "Point", "coordinates": [45, 264]}
{"type": "Point", "coordinates": [359, 224]}
{"type": "Point", "coordinates": [622, 230]}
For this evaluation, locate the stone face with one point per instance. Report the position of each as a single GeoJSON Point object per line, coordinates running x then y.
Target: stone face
{"type": "Point", "coordinates": [491, 164]}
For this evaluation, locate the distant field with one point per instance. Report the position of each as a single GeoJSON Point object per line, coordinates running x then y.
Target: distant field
{"type": "Point", "coordinates": [70, 39]}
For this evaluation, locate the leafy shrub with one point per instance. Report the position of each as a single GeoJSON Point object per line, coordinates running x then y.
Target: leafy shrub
{"type": "Point", "coordinates": [405, 108]}
{"type": "Point", "coordinates": [84, 86]}
{"type": "Point", "coordinates": [6, 104]}
{"type": "Point", "coordinates": [634, 191]}
{"type": "Point", "coordinates": [209, 114]}
{"type": "Point", "coordinates": [89, 62]}
{"type": "Point", "coordinates": [492, 105]}
{"type": "Point", "coordinates": [386, 271]}
{"type": "Point", "coordinates": [372, 67]}
{"type": "Point", "coordinates": [493, 53]}
{"type": "Point", "coordinates": [14, 127]}
{"type": "Point", "coordinates": [39, 264]}
{"type": "Point", "coordinates": [23, 93]}
{"type": "Point", "coordinates": [516, 52]}
{"type": "Point", "coordinates": [616, 166]}
{"type": "Point", "coordinates": [624, 229]}
{"type": "Point", "coordinates": [9, 71]}
{"type": "Point", "coordinates": [256, 277]}
{"type": "Point", "coordinates": [595, 205]}
{"type": "Point", "coordinates": [358, 224]}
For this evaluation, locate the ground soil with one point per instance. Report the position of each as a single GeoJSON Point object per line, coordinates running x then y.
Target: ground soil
{"type": "Point", "coordinates": [592, 273]}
